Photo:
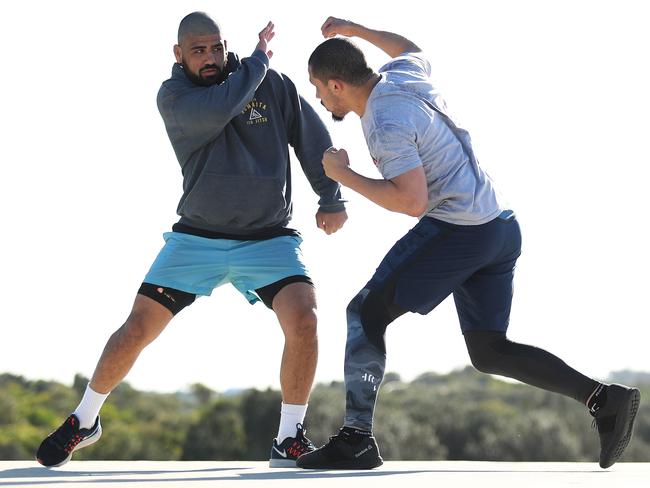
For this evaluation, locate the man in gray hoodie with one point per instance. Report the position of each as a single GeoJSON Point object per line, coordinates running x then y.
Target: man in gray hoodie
{"type": "Point", "coordinates": [230, 123]}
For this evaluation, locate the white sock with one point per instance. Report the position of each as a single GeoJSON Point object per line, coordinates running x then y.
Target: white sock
{"type": "Point", "coordinates": [290, 415]}
{"type": "Point", "coordinates": [89, 407]}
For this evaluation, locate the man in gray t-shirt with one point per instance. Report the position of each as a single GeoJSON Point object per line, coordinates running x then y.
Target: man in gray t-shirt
{"type": "Point", "coordinates": [464, 244]}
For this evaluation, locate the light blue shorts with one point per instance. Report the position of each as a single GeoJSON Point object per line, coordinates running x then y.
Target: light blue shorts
{"type": "Point", "coordinates": [198, 265]}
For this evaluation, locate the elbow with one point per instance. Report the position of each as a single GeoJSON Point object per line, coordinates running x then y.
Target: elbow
{"type": "Point", "coordinates": [405, 46]}
{"type": "Point", "coordinates": [415, 211]}
{"type": "Point", "coordinates": [412, 48]}
{"type": "Point", "coordinates": [416, 207]}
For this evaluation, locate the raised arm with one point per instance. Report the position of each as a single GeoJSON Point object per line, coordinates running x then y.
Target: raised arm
{"type": "Point", "coordinates": [218, 104]}
{"type": "Point", "coordinates": [392, 44]}
{"type": "Point", "coordinates": [193, 116]}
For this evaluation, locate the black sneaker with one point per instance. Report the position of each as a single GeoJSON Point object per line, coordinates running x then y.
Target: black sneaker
{"type": "Point", "coordinates": [349, 449]}
{"type": "Point", "coordinates": [57, 448]}
{"type": "Point", "coordinates": [614, 420]}
{"type": "Point", "coordinates": [284, 455]}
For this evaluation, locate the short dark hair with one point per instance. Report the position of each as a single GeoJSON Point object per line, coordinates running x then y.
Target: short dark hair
{"type": "Point", "coordinates": [197, 23]}
{"type": "Point", "coordinates": [341, 59]}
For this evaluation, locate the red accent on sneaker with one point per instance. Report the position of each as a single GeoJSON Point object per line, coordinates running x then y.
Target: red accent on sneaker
{"type": "Point", "coordinates": [297, 449]}
{"type": "Point", "coordinates": [76, 439]}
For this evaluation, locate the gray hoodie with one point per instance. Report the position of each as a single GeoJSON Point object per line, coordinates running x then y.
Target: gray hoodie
{"type": "Point", "coordinates": [232, 140]}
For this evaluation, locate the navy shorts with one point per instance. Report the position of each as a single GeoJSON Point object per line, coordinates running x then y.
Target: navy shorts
{"type": "Point", "coordinates": [474, 262]}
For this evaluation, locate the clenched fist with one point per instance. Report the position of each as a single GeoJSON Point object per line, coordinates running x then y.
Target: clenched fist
{"type": "Point", "coordinates": [334, 26]}
{"type": "Point", "coordinates": [335, 163]}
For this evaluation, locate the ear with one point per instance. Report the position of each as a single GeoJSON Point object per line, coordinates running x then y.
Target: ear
{"type": "Point", "coordinates": [335, 85]}
{"type": "Point", "coordinates": [178, 53]}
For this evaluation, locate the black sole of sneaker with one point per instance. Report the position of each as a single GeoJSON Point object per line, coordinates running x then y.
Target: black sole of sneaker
{"type": "Point", "coordinates": [625, 426]}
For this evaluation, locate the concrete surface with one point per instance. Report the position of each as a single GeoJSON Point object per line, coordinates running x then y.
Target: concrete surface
{"type": "Point", "coordinates": [411, 474]}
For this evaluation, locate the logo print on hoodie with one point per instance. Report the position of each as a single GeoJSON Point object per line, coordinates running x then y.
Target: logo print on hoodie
{"type": "Point", "coordinates": [255, 111]}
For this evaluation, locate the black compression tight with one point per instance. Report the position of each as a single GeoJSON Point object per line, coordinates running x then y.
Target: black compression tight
{"type": "Point", "coordinates": [491, 352]}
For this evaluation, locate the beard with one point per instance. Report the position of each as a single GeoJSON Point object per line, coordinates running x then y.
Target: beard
{"type": "Point", "coordinates": [208, 80]}
{"type": "Point", "coordinates": [335, 118]}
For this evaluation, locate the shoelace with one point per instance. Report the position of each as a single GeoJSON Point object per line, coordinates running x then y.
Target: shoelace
{"type": "Point", "coordinates": [302, 438]}
{"type": "Point", "coordinates": [76, 439]}
{"type": "Point", "coordinates": [66, 440]}
{"type": "Point", "coordinates": [334, 439]}
{"type": "Point", "coordinates": [298, 448]}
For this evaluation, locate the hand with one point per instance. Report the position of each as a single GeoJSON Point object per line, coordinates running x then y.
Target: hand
{"type": "Point", "coordinates": [265, 37]}
{"type": "Point", "coordinates": [335, 163]}
{"type": "Point", "coordinates": [334, 26]}
{"type": "Point", "coordinates": [331, 222]}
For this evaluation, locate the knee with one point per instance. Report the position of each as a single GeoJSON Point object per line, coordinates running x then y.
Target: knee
{"type": "Point", "coordinates": [138, 330]}
{"type": "Point", "coordinates": [353, 309]}
{"type": "Point", "coordinates": [484, 356]}
{"type": "Point", "coordinates": [303, 325]}
{"type": "Point", "coordinates": [483, 361]}
{"type": "Point", "coordinates": [368, 311]}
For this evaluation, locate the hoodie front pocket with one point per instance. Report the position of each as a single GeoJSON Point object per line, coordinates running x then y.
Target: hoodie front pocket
{"type": "Point", "coordinates": [239, 201]}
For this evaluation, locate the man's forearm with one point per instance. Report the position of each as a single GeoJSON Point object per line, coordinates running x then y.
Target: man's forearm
{"type": "Point", "coordinates": [384, 193]}
{"type": "Point", "coordinates": [391, 43]}
{"type": "Point", "coordinates": [207, 110]}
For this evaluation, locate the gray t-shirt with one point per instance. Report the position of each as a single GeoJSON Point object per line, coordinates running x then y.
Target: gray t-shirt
{"type": "Point", "coordinates": [403, 131]}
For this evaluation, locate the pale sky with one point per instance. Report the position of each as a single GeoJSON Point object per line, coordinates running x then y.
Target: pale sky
{"type": "Point", "coordinates": [555, 94]}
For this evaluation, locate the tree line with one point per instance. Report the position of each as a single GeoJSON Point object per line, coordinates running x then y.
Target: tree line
{"type": "Point", "coordinates": [463, 415]}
